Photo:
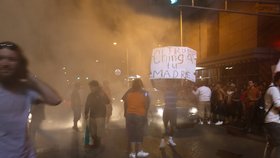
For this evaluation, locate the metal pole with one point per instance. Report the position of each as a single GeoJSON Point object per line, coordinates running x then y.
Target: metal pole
{"type": "Point", "coordinates": [127, 70]}
{"type": "Point", "coordinates": [226, 5]}
{"type": "Point", "coordinates": [181, 26]}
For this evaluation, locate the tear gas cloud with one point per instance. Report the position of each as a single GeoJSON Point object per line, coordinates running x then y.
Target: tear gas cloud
{"type": "Point", "coordinates": [79, 36]}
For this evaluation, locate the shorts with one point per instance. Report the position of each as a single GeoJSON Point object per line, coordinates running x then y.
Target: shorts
{"type": "Point", "coordinates": [135, 127]}
{"type": "Point", "coordinates": [273, 133]}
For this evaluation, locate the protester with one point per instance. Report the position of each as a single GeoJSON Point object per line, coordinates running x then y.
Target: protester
{"type": "Point", "coordinates": [230, 107]}
{"type": "Point", "coordinates": [76, 105]}
{"type": "Point", "coordinates": [18, 90]}
{"type": "Point", "coordinates": [203, 93]}
{"type": "Point", "coordinates": [95, 110]}
{"type": "Point", "coordinates": [252, 96]}
{"type": "Point", "coordinates": [35, 126]}
{"type": "Point", "coordinates": [272, 119]}
{"type": "Point", "coordinates": [236, 104]}
{"type": "Point", "coordinates": [170, 113]}
{"type": "Point", "coordinates": [109, 108]}
{"type": "Point", "coordinates": [218, 104]}
{"type": "Point", "coordinates": [136, 104]}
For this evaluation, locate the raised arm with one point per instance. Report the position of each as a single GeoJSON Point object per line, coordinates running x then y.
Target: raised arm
{"type": "Point", "coordinates": [48, 94]}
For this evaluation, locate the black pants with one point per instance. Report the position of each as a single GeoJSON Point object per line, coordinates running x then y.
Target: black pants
{"type": "Point", "coordinates": [169, 116]}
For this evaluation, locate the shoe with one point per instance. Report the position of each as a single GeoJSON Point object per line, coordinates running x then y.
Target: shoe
{"type": "Point", "coordinates": [171, 142]}
{"type": "Point", "coordinates": [142, 154]}
{"type": "Point", "coordinates": [200, 122]}
{"type": "Point", "coordinates": [209, 122]}
{"type": "Point", "coordinates": [219, 123]}
{"type": "Point", "coordinates": [132, 155]}
{"type": "Point", "coordinates": [162, 143]}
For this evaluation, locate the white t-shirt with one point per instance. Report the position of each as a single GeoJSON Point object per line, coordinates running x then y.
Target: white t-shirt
{"type": "Point", "coordinates": [14, 111]}
{"type": "Point", "coordinates": [272, 96]}
{"type": "Point", "coordinates": [203, 93]}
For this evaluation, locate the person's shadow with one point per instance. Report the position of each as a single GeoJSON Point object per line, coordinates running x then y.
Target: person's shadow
{"type": "Point", "coordinates": [175, 154]}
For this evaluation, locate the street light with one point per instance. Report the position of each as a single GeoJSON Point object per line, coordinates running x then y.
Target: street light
{"type": "Point", "coordinates": [127, 64]}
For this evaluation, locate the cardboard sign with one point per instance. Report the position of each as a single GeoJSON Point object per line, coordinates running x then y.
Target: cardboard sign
{"type": "Point", "coordinates": [173, 63]}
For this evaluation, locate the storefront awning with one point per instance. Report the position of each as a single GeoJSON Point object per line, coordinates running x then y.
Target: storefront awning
{"type": "Point", "coordinates": [259, 54]}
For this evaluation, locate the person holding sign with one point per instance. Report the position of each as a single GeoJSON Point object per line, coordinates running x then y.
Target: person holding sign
{"type": "Point", "coordinates": [170, 113]}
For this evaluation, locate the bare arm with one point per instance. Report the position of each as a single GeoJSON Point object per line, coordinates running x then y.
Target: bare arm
{"type": "Point", "coordinates": [49, 95]}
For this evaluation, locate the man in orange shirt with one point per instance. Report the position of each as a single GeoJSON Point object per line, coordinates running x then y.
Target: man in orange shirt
{"type": "Point", "coordinates": [136, 104]}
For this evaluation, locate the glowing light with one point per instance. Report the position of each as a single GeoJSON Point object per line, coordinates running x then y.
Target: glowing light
{"type": "Point", "coordinates": [173, 1]}
{"type": "Point", "coordinates": [199, 68]}
{"type": "Point", "coordinates": [87, 78]}
{"type": "Point", "coordinates": [118, 72]}
{"type": "Point", "coordinates": [229, 68]}
{"type": "Point", "coordinates": [160, 112]}
{"type": "Point", "coordinates": [78, 78]}
{"type": "Point", "coordinates": [29, 117]}
{"type": "Point", "coordinates": [193, 110]}
{"type": "Point", "coordinates": [115, 43]}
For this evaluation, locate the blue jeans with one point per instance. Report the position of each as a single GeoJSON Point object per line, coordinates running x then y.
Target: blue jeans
{"type": "Point", "coordinates": [272, 149]}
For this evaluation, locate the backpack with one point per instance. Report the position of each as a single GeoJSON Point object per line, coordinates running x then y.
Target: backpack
{"type": "Point", "coordinates": [260, 108]}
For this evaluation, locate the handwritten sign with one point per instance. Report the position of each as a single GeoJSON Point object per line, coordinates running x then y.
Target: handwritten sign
{"type": "Point", "coordinates": [173, 63]}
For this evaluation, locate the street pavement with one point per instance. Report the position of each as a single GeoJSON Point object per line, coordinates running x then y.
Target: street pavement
{"type": "Point", "coordinates": [200, 141]}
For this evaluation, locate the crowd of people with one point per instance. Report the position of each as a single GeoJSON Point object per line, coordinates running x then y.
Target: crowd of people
{"type": "Point", "coordinates": [230, 104]}
{"type": "Point", "coordinates": [217, 104]}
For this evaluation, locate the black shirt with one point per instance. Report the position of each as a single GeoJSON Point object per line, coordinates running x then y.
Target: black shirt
{"type": "Point", "coordinates": [96, 104]}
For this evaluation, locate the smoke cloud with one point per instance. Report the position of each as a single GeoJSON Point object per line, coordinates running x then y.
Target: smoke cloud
{"type": "Point", "coordinates": [79, 35]}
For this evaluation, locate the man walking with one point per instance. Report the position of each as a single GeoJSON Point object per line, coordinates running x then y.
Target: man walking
{"type": "Point", "coordinates": [95, 110]}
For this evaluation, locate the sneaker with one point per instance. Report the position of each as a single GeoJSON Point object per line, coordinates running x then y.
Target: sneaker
{"type": "Point", "coordinates": [142, 154]}
{"type": "Point", "coordinates": [209, 122]}
{"type": "Point", "coordinates": [132, 155]}
{"type": "Point", "coordinates": [171, 142]}
{"type": "Point", "coordinates": [200, 122]}
{"type": "Point", "coordinates": [219, 123]}
{"type": "Point", "coordinates": [162, 143]}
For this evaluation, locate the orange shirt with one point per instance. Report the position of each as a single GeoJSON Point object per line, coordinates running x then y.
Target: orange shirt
{"type": "Point", "coordinates": [136, 103]}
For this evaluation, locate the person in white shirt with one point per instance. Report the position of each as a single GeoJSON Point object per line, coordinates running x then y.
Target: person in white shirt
{"type": "Point", "coordinates": [203, 94]}
{"type": "Point", "coordinates": [272, 119]}
{"type": "Point", "coordinates": [18, 90]}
